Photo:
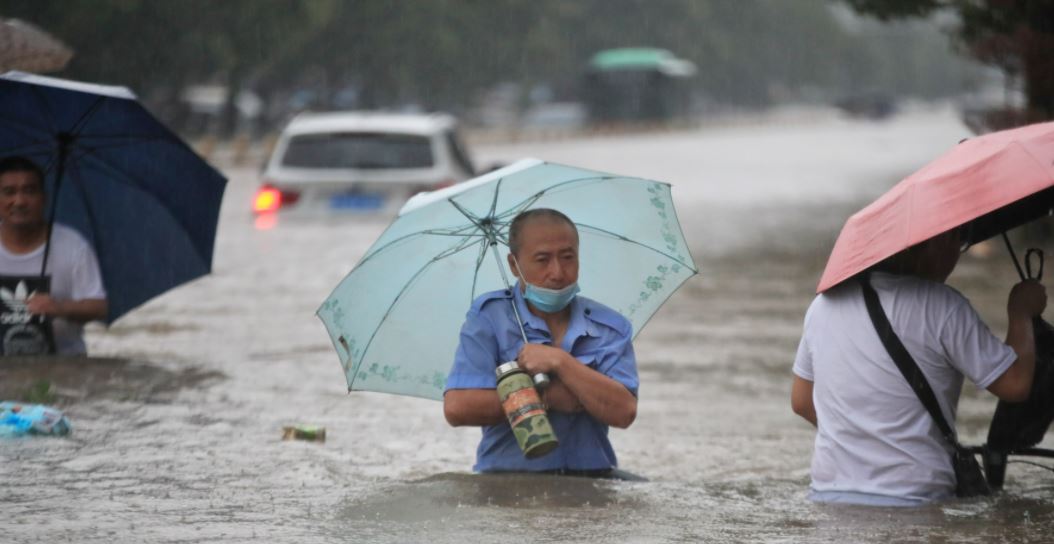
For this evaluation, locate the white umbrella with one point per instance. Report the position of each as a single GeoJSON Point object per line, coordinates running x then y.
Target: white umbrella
{"type": "Point", "coordinates": [29, 49]}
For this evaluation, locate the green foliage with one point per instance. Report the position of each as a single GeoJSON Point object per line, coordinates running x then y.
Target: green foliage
{"type": "Point", "coordinates": [38, 393]}
{"type": "Point", "coordinates": [441, 53]}
{"type": "Point", "coordinates": [896, 9]}
{"type": "Point", "coordinates": [1016, 36]}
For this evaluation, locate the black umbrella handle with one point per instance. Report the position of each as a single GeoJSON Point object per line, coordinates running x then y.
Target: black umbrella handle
{"type": "Point", "coordinates": [1038, 254]}
{"type": "Point", "coordinates": [1032, 256]}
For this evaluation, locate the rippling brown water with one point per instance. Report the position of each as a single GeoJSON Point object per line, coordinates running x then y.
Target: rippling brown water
{"type": "Point", "coordinates": [178, 439]}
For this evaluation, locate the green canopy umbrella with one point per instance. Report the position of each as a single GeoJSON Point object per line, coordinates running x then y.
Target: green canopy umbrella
{"type": "Point", "coordinates": [395, 319]}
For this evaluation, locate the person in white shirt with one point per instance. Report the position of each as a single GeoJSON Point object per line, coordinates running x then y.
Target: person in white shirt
{"type": "Point", "coordinates": [76, 293]}
{"type": "Point", "coordinates": [875, 442]}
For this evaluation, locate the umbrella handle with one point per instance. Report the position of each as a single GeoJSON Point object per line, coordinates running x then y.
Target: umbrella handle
{"type": "Point", "coordinates": [1038, 253]}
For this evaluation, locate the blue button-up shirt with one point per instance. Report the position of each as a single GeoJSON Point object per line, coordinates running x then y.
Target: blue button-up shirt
{"type": "Point", "coordinates": [597, 336]}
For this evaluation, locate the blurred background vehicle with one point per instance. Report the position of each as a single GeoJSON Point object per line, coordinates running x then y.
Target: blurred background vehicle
{"type": "Point", "coordinates": [874, 105]}
{"type": "Point", "coordinates": [637, 84]}
{"type": "Point", "coordinates": [361, 161]}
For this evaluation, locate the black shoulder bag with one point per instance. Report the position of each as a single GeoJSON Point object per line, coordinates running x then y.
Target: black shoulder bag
{"type": "Point", "coordinates": [969, 480]}
{"type": "Point", "coordinates": [1017, 427]}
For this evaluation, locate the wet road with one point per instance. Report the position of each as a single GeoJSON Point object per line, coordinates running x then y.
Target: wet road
{"type": "Point", "coordinates": [193, 453]}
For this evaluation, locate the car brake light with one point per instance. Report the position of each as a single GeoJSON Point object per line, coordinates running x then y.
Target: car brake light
{"type": "Point", "coordinates": [268, 199]}
{"type": "Point", "coordinates": [290, 197]}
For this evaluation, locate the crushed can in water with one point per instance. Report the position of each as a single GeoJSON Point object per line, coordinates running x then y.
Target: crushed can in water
{"type": "Point", "coordinates": [304, 432]}
{"type": "Point", "coordinates": [525, 411]}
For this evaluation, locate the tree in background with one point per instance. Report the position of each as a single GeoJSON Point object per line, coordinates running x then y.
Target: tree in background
{"type": "Point", "coordinates": [444, 54]}
{"type": "Point", "coordinates": [1017, 36]}
{"type": "Point", "coordinates": [157, 48]}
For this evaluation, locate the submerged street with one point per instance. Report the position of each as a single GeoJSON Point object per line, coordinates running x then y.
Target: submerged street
{"type": "Point", "coordinates": [180, 439]}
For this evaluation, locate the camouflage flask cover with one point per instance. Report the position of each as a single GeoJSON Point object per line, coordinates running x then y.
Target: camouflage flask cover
{"type": "Point", "coordinates": [525, 411]}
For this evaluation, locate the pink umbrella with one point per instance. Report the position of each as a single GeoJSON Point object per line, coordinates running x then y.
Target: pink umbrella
{"type": "Point", "coordinates": [998, 181]}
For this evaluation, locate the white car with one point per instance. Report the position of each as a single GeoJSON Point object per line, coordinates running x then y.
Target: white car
{"type": "Point", "coordinates": [361, 161]}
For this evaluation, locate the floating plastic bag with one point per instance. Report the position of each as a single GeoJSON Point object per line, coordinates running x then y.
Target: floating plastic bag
{"type": "Point", "coordinates": [19, 419]}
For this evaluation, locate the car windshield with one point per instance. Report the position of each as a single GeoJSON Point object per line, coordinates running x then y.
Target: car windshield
{"type": "Point", "coordinates": [358, 150]}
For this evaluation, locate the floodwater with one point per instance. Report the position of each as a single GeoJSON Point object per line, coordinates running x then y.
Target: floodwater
{"type": "Point", "coordinates": [177, 428]}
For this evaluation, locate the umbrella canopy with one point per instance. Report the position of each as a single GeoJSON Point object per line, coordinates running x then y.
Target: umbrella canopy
{"type": "Point", "coordinates": [27, 48]}
{"type": "Point", "coordinates": [997, 181]}
{"type": "Point", "coordinates": [394, 320]}
{"type": "Point", "coordinates": [145, 201]}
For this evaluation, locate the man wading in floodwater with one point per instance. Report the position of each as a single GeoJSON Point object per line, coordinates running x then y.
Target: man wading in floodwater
{"type": "Point", "coordinates": [581, 344]}
{"type": "Point", "coordinates": [875, 441]}
{"type": "Point", "coordinates": [75, 295]}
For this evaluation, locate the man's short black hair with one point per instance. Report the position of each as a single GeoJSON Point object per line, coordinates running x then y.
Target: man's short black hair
{"type": "Point", "coordinates": [521, 219]}
{"type": "Point", "coordinates": [22, 164]}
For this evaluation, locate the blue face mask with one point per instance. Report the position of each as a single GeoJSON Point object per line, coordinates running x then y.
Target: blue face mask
{"type": "Point", "coordinates": [550, 300]}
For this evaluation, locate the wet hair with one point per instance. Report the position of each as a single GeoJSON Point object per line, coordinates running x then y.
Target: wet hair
{"type": "Point", "coordinates": [904, 263]}
{"type": "Point", "coordinates": [914, 260]}
{"type": "Point", "coordinates": [22, 164]}
{"type": "Point", "coordinates": [527, 216]}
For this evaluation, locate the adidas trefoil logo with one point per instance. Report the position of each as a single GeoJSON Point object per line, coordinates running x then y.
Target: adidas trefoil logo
{"type": "Point", "coordinates": [16, 303]}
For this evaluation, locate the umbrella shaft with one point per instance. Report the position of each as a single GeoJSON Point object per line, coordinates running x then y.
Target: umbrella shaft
{"type": "Point", "coordinates": [505, 278]}
{"type": "Point", "coordinates": [1013, 256]}
{"type": "Point", "coordinates": [60, 168]}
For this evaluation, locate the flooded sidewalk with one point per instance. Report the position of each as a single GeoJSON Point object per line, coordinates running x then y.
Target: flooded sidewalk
{"type": "Point", "coordinates": [178, 424]}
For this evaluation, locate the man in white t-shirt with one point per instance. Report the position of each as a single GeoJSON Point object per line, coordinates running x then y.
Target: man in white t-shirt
{"type": "Point", "coordinates": [76, 294]}
{"type": "Point", "coordinates": [875, 442]}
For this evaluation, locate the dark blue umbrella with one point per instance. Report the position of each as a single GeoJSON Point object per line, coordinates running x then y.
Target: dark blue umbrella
{"type": "Point", "coordinates": [146, 202]}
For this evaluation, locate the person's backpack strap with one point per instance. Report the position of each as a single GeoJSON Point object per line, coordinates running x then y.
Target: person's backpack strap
{"type": "Point", "coordinates": [907, 365]}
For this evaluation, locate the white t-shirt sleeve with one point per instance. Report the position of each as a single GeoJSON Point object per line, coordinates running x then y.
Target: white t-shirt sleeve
{"type": "Point", "coordinates": [803, 360]}
{"type": "Point", "coordinates": [971, 346]}
{"type": "Point", "coordinates": [87, 279]}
